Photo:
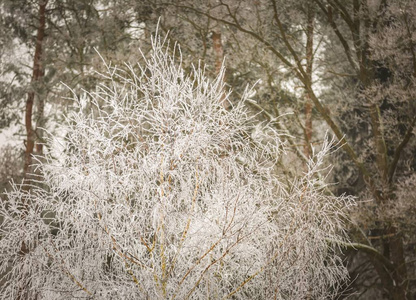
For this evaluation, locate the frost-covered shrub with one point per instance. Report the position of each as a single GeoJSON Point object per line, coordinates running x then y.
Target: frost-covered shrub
{"type": "Point", "coordinates": [159, 192]}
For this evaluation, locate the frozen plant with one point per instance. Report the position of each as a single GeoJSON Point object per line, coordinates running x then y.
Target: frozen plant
{"type": "Point", "coordinates": [159, 192]}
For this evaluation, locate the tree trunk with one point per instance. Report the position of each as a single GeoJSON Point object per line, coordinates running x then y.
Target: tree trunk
{"type": "Point", "coordinates": [309, 70]}
{"type": "Point", "coordinates": [31, 136]}
{"type": "Point", "coordinates": [37, 75]}
{"type": "Point", "coordinates": [399, 275]}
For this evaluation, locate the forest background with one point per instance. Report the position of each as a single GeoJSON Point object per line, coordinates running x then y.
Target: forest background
{"type": "Point", "coordinates": [317, 66]}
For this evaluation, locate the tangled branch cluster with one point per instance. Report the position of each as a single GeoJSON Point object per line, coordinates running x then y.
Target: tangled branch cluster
{"type": "Point", "coordinates": [159, 192]}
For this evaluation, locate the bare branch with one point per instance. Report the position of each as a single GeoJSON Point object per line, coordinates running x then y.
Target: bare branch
{"type": "Point", "coordinates": [399, 150]}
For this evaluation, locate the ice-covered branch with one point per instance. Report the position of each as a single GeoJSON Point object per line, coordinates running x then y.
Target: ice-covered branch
{"type": "Point", "coordinates": [159, 192]}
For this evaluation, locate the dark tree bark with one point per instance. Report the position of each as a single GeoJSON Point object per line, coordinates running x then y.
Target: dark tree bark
{"type": "Point", "coordinates": [309, 70]}
{"type": "Point", "coordinates": [38, 73]}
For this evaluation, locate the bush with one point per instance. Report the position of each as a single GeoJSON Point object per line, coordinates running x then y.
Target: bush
{"type": "Point", "coordinates": [159, 192]}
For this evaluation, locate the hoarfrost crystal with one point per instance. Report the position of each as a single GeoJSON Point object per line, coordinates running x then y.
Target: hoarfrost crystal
{"type": "Point", "coordinates": [161, 193]}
